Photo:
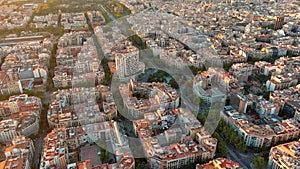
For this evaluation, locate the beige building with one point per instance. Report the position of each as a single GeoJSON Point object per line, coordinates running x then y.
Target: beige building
{"type": "Point", "coordinates": [9, 84]}
{"type": "Point", "coordinates": [242, 71]}
{"type": "Point", "coordinates": [260, 135]}
{"type": "Point", "coordinates": [19, 154]}
{"type": "Point", "coordinates": [81, 106]}
{"type": "Point", "coordinates": [220, 163]}
{"type": "Point", "coordinates": [208, 85]}
{"type": "Point", "coordinates": [285, 156]}
{"type": "Point", "coordinates": [20, 103]}
{"type": "Point", "coordinates": [175, 147]}
{"type": "Point", "coordinates": [279, 82]}
{"type": "Point", "coordinates": [29, 123]}
{"type": "Point", "coordinates": [140, 98]}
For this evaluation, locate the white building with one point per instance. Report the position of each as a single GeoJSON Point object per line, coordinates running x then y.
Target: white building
{"type": "Point", "coordinates": [8, 130]}
{"type": "Point", "coordinates": [280, 82]}
{"type": "Point", "coordinates": [127, 61]}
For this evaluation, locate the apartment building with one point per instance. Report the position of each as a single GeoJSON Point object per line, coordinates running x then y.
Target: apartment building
{"type": "Point", "coordinates": [18, 153]}
{"type": "Point", "coordinates": [285, 156]}
{"type": "Point", "coordinates": [282, 97]}
{"type": "Point", "coordinates": [55, 150]}
{"type": "Point", "coordinates": [271, 132]}
{"type": "Point", "coordinates": [140, 98]}
{"type": "Point", "coordinates": [24, 123]}
{"type": "Point", "coordinates": [45, 21]}
{"type": "Point", "coordinates": [210, 85]}
{"type": "Point", "coordinates": [265, 68]}
{"type": "Point", "coordinates": [29, 123]}
{"type": "Point", "coordinates": [62, 143]}
{"type": "Point", "coordinates": [175, 147]}
{"type": "Point", "coordinates": [9, 85]}
{"type": "Point", "coordinates": [74, 21]}
{"type": "Point", "coordinates": [96, 18]}
{"type": "Point", "coordinates": [220, 163]}
{"type": "Point", "coordinates": [127, 60]}
{"type": "Point", "coordinates": [179, 155]}
{"type": "Point", "coordinates": [242, 71]}
{"type": "Point", "coordinates": [77, 61]}
{"type": "Point", "coordinates": [279, 82]}
{"type": "Point", "coordinates": [78, 106]}
{"type": "Point", "coordinates": [8, 130]}
{"type": "Point", "coordinates": [262, 106]}
{"type": "Point", "coordinates": [19, 103]}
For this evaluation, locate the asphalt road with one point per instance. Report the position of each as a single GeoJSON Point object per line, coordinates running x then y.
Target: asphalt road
{"type": "Point", "coordinates": [245, 159]}
{"type": "Point", "coordinates": [38, 145]}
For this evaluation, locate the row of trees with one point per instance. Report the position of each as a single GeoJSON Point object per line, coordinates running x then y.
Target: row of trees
{"type": "Point", "coordinates": [221, 146]}
{"type": "Point", "coordinates": [141, 163]}
{"type": "Point", "coordinates": [4, 97]}
{"type": "Point", "coordinates": [227, 134]}
{"type": "Point", "coordinates": [231, 136]}
{"type": "Point", "coordinates": [19, 3]}
{"type": "Point", "coordinates": [108, 75]}
{"type": "Point", "coordinates": [57, 31]}
{"type": "Point", "coordinates": [137, 42]}
{"type": "Point", "coordinates": [261, 78]}
{"type": "Point", "coordinates": [252, 60]}
{"type": "Point", "coordinates": [39, 94]}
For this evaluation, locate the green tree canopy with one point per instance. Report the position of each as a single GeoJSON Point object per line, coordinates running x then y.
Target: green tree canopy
{"type": "Point", "coordinates": [259, 162]}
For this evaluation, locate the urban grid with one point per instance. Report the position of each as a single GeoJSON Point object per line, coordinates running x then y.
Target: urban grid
{"type": "Point", "coordinates": [149, 84]}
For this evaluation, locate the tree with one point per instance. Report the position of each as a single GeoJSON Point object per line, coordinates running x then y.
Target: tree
{"type": "Point", "coordinates": [206, 113]}
{"type": "Point", "coordinates": [141, 165]}
{"type": "Point", "coordinates": [137, 42]}
{"type": "Point", "coordinates": [221, 147]}
{"type": "Point", "coordinates": [259, 163]}
{"type": "Point", "coordinates": [38, 94]}
{"type": "Point", "coordinates": [173, 83]}
{"type": "Point", "coordinates": [104, 156]}
{"type": "Point", "coordinates": [197, 70]}
{"type": "Point", "coordinates": [262, 78]}
{"type": "Point", "coordinates": [231, 136]}
{"type": "Point", "coordinates": [227, 66]}
{"type": "Point", "coordinates": [49, 84]}
{"type": "Point", "coordinates": [4, 97]}
{"type": "Point", "coordinates": [201, 118]}
{"type": "Point", "coordinates": [202, 102]}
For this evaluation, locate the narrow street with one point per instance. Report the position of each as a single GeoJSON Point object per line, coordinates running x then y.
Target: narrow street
{"type": "Point", "coordinates": [38, 145]}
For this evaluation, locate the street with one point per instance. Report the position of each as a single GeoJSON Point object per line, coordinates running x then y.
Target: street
{"type": "Point", "coordinates": [38, 145]}
{"type": "Point", "coordinates": [245, 159]}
